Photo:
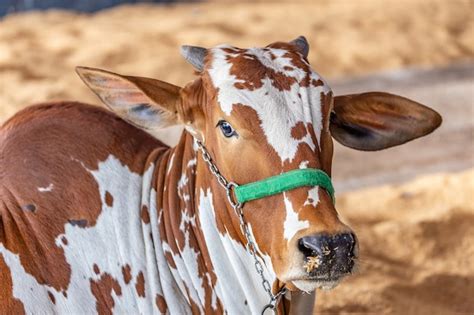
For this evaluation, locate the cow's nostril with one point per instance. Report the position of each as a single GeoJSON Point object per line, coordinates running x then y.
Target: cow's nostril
{"type": "Point", "coordinates": [345, 243]}
{"type": "Point", "coordinates": [315, 245]}
{"type": "Point", "coordinates": [353, 245]}
{"type": "Point", "coordinates": [307, 247]}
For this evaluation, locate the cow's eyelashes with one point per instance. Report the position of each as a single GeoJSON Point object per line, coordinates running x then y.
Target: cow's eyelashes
{"type": "Point", "coordinates": [227, 130]}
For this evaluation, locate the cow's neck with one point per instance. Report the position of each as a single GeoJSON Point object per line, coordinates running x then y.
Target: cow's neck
{"type": "Point", "coordinates": [207, 259]}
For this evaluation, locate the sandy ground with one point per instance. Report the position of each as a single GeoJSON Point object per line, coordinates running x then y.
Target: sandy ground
{"type": "Point", "coordinates": [416, 245]}
{"type": "Point", "coordinates": [38, 51]}
{"type": "Point", "coordinates": [416, 238]}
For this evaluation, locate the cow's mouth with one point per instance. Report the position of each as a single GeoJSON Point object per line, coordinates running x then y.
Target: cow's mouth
{"type": "Point", "coordinates": [310, 283]}
{"type": "Point", "coordinates": [332, 278]}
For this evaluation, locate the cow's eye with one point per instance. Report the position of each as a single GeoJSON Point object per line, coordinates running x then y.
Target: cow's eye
{"type": "Point", "coordinates": [226, 129]}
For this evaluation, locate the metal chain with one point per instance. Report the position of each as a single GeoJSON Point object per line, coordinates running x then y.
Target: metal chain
{"type": "Point", "coordinates": [251, 246]}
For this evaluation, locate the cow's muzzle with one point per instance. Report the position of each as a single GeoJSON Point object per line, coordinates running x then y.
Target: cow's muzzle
{"type": "Point", "coordinates": [328, 257]}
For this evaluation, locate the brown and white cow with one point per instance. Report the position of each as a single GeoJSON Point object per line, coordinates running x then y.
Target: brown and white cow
{"type": "Point", "coordinates": [97, 215]}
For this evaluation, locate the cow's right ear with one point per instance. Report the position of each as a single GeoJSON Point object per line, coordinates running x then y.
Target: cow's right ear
{"type": "Point", "coordinates": [148, 103]}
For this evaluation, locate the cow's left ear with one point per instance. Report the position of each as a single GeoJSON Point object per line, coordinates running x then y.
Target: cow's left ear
{"type": "Point", "coordinates": [376, 120]}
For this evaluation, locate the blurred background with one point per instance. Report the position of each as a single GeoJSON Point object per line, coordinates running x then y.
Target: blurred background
{"type": "Point", "coordinates": [11, 6]}
{"type": "Point", "coordinates": [411, 206]}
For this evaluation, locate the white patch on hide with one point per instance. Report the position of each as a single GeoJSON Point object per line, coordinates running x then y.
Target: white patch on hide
{"type": "Point", "coordinates": [313, 197]}
{"type": "Point", "coordinates": [303, 165]}
{"type": "Point", "coordinates": [237, 280]}
{"type": "Point", "coordinates": [292, 224]}
{"type": "Point", "coordinates": [46, 189]}
{"type": "Point", "coordinates": [192, 162]}
{"type": "Point", "coordinates": [170, 164]}
{"type": "Point", "coordinates": [187, 270]}
{"type": "Point", "coordinates": [182, 181]}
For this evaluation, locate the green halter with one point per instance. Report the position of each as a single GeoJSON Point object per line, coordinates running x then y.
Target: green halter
{"type": "Point", "coordinates": [284, 182]}
{"type": "Point", "coordinates": [268, 186]}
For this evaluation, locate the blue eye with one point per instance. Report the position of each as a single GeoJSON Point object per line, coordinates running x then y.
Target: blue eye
{"type": "Point", "coordinates": [226, 129]}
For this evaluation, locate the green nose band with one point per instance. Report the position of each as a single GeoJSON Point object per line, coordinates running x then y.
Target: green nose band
{"type": "Point", "coordinates": [284, 182]}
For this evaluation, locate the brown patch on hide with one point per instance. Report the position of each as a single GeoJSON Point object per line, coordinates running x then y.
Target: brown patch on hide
{"type": "Point", "coordinates": [145, 215]}
{"type": "Point", "coordinates": [51, 297]}
{"type": "Point", "coordinates": [8, 303]}
{"type": "Point", "coordinates": [140, 284]}
{"type": "Point", "coordinates": [96, 269]}
{"type": "Point", "coordinates": [250, 72]}
{"type": "Point", "coordinates": [326, 144]}
{"type": "Point", "coordinates": [317, 83]}
{"type": "Point", "coordinates": [102, 290]}
{"type": "Point", "coordinates": [161, 304]}
{"type": "Point", "coordinates": [109, 199]}
{"type": "Point", "coordinates": [299, 131]}
{"type": "Point", "coordinates": [126, 273]}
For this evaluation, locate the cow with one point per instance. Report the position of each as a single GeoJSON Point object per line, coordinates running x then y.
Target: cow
{"type": "Point", "coordinates": [99, 216]}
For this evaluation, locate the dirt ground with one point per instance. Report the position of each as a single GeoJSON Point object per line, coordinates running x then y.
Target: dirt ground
{"type": "Point", "coordinates": [417, 250]}
{"type": "Point", "coordinates": [416, 238]}
{"type": "Point", "coordinates": [38, 51]}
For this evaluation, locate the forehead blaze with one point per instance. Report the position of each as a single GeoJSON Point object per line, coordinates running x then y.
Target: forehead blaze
{"type": "Point", "coordinates": [279, 85]}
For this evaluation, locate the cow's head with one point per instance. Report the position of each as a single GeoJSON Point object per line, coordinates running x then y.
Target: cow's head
{"type": "Point", "coordinates": [262, 112]}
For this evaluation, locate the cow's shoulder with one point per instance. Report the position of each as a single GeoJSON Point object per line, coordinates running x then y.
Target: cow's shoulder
{"type": "Point", "coordinates": [49, 153]}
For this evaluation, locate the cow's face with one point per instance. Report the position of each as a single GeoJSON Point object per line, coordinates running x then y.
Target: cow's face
{"type": "Point", "coordinates": [261, 112]}
{"type": "Point", "coordinates": [267, 112]}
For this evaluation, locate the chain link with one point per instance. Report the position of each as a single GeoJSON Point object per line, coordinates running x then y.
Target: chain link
{"type": "Point", "coordinates": [251, 245]}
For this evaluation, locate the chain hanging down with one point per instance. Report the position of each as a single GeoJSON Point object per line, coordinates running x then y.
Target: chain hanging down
{"type": "Point", "coordinates": [251, 246]}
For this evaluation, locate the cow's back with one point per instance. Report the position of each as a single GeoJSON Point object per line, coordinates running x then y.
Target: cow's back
{"type": "Point", "coordinates": [53, 159]}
